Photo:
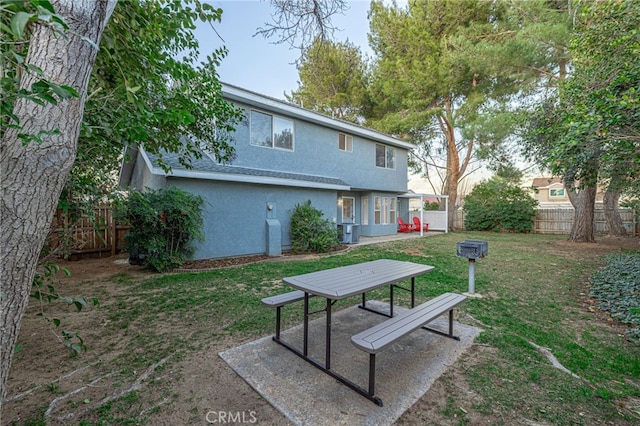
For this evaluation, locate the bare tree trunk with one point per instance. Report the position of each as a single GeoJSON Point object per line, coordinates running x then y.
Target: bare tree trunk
{"type": "Point", "coordinates": [583, 201]}
{"type": "Point", "coordinates": [612, 213]}
{"type": "Point", "coordinates": [451, 185]}
{"type": "Point", "coordinates": [32, 175]}
{"type": "Point", "coordinates": [455, 169]}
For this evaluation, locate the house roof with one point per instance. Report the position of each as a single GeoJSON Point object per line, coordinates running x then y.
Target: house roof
{"type": "Point", "coordinates": [207, 169]}
{"type": "Point", "coordinates": [238, 94]}
{"type": "Point", "coordinates": [544, 182]}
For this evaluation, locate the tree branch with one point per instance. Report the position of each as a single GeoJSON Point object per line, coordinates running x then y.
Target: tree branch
{"type": "Point", "coordinates": [298, 23]}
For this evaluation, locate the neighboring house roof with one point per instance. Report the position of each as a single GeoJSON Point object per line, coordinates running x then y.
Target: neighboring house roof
{"type": "Point", "coordinates": [544, 182]}
{"type": "Point", "coordinates": [206, 168]}
{"type": "Point", "coordinates": [248, 97]}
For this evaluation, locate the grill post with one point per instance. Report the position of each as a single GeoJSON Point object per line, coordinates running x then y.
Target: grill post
{"type": "Point", "coordinates": [472, 250]}
{"type": "Point", "coordinates": [472, 276]}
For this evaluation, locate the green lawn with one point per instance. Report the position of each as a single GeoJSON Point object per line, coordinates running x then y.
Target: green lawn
{"type": "Point", "coordinates": [535, 292]}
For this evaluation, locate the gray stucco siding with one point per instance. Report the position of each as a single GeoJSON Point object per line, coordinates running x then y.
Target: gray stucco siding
{"type": "Point", "coordinates": [235, 214]}
{"type": "Point", "coordinates": [365, 175]}
{"type": "Point", "coordinates": [142, 177]}
{"type": "Point", "coordinates": [316, 152]}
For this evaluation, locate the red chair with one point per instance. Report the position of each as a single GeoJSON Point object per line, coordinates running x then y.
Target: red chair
{"type": "Point", "coordinates": [417, 225]}
{"type": "Point", "coordinates": [404, 227]}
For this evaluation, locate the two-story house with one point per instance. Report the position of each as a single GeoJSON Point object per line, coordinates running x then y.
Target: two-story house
{"type": "Point", "coordinates": [285, 155]}
{"type": "Point", "coordinates": [552, 193]}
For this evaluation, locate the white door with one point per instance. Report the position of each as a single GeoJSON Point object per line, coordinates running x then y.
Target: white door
{"type": "Point", "coordinates": [348, 210]}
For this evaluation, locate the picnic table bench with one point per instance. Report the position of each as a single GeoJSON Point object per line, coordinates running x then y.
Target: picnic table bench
{"type": "Point", "coordinates": [378, 337]}
{"type": "Point", "coordinates": [280, 300]}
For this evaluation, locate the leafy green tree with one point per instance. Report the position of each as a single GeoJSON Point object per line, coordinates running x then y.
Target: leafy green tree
{"type": "Point", "coordinates": [147, 88]}
{"type": "Point", "coordinates": [497, 205]}
{"type": "Point", "coordinates": [581, 154]}
{"type": "Point", "coordinates": [333, 80]}
{"type": "Point", "coordinates": [509, 173]}
{"type": "Point", "coordinates": [147, 70]}
{"type": "Point", "coordinates": [48, 52]}
{"type": "Point", "coordinates": [588, 132]}
{"type": "Point", "coordinates": [431, 205]}
{"type": "Point", "coordinates": [47, 55]}
{"type": "Point", "coordinates": [447, 73]}
{"type": "Point", "coordinates": [606, 84]}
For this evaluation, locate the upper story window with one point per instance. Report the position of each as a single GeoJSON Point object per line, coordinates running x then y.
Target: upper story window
{"type": "Point", "coordinates": [385, 157]}
{"type": "Point", "coordinates": [345, 142]}
{"type": "Point", "coordinates": [556, 192]}
{"type": "Point", "coordinates": [271, 131]}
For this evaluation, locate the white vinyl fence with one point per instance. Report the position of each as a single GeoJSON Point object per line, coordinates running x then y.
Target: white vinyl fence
{"type": "Point", "coordinates": [436, 219]}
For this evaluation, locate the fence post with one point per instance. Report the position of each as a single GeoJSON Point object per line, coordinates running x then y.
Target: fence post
{"type": "Point", "coordinates": [114, 232]}
{"type": "Point", "coordinates": [87, 236]}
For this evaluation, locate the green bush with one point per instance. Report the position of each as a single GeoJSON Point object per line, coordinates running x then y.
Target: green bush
{"type": "Point", "coordinates": [164, 224]}
{"type": "Point", "coordinates": [431, 206]}
{"type": "Point", "coordinates": [499, 206]}
{"type": "Point", "coordinates": [310, 232]}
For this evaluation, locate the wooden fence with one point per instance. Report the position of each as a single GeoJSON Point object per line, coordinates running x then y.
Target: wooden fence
{"type": "Point", "coordinates": [560, 221]}
{"type": "Point", "coordinates": [96, 235]}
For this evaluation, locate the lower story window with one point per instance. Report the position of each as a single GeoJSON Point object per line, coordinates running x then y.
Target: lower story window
{"type": "Point", "coordinates": [364, 211]}
{"type": "Point", "coordinates": [384, 210]}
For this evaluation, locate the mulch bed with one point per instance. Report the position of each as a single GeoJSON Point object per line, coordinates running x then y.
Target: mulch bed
{"type": "Point", "coordinates": [222, 263]}
{"type": "Point", "coordinates": [228, 262]}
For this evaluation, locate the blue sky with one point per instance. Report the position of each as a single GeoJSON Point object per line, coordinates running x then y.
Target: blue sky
{"type": "Point", "coordinates": [256, 63]}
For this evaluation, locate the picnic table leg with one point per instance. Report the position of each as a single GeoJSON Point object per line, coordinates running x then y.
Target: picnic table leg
{"type": "Point", "coordinates": [391, 300]}
{"type": "Point", "coordinates": [375, 311]}
{"type": "Point", "coordinates": [278, 319]}
{"type": "Point", "coordinates": [327, 359]}
{"type": "Point", "coordinates": [413, 292]}
{"type": "Point", "coordinates": [451, 323]}
{"type": "Point", "coordinates": [372, 375]}
{"type": "Point", "coordinates": [305, 341]}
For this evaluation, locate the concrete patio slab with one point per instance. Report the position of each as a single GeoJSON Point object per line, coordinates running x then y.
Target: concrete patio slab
{"type": "Point", "coordinates": [307, 396]}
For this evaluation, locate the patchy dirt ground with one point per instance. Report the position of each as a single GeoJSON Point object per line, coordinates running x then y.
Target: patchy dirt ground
{"type": "Point", "coordinates": [202, 386]}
